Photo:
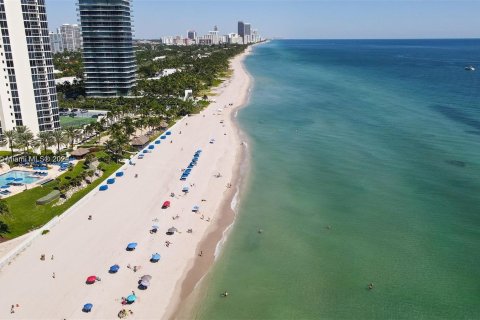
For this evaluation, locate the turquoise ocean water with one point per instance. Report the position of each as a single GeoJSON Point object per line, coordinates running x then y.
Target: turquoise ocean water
{"type": "Point", "coordinates": [380, 140]}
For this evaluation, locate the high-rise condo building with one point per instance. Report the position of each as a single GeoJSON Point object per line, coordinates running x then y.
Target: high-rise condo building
{"type": "Point", "coordinates": [192, 35]}
{"type": "Point", "coordinates": [241, 28]}
{"type": "Point", "coordinates": [108, 53]}
{"type": "Point", "coordinates": [56, 42]}
{"type": "Point", "coordinates": [71, 37]}
{"type": "Point", "coordinates": [248, 29]}
{"type": "Point", "coordinates": [28, 96]}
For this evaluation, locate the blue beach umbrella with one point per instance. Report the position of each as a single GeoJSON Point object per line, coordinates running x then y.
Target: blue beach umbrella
{"type": "Point", "coordinates": [10, 178]}
{"type": "Point", "coordinates": [111, 181]}
{"type": "Point", "coordinates": [145, 151]}
{"type": "Point", "coordinates": [131, 298]}
{"type": "Point", "coordinates": [87, 307]}
{"type": "Point", "coordinates": [18, 179]}
{"type": "Point", "coordinates": [163, 137]}
{"type": "Point", "coordinates": [155, 257]}
{"type": "Point", "coordinates": [5, 187]}
{"type": "Point", "coordinates": [168, 133]}
{"type": "Point", "coordinates": [131, 246]}
{"type": "Point", "coordinates": [119, 174]}
{"type": "Point", "coordinates": [114, 268]}
{"type": "Point", "coordinates": [157, 142]}
{"type": "Point", "coordinates": [151, 147]}
{"type": "Point", "coordinates": [103, 188]}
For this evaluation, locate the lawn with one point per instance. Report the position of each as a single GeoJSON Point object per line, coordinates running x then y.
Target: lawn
{"type": "Point", "coordinates": [25, 215]}
{"type": "Point", "coordinates": [75, 122]}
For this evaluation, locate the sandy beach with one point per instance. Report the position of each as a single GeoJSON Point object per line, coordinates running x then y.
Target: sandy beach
{"type": "Point", "coordinates": [77, 247]}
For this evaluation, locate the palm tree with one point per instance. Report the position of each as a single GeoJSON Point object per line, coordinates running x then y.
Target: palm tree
{"type": "Point", "coordinates": [59, 138]}
{"type": "Point", "coordinates": [46, 140]}
{"type": "Point", "coordinates": [24, 137]}
{"type": "Point", "coordinates": [10, 136]}
{"type": "Point", "coordinates": [71, 134]}
{"type": "Point", "coordinates": [116, 144]}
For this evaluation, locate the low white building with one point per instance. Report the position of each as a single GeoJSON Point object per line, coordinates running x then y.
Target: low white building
{"type": "Point", "coordinates": [164, 73]}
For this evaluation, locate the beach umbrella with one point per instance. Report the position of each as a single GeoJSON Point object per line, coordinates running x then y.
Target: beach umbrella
{"type": "Point", "coordinates": [168, 133]}
{"type": "Point", "coordinates": [104, 187]}
{"type": "Point", "coordinates": [91, 279]}
{"type": "Point", "coordinates": [119, 174]}
{"type": "Point", "coordinates": [131, 246]}
{"type": "Point", "coordinates": [10, 178]}
{"type": "Point", "coordinates": [5, 187]}
{"type": "Point", "coordinates": [163, 137]}
{"type": "Point", "coordinates": [195, 208]}
{"type": "Point", "coordinates": [166, 205]}
{"type": "Point", "coordinates": [131, 298]}
{"type": "Point", "coordinates": [18, 179]}
{"type": "Point", "coordinates": [145, 151]}
{"type": "Point", "coordinates": [87, 307]}
{"type": "Point", "coordinates": [151, 147]}
{"type": "Point", "coordinates": [171, 231]}
{"type": "Point", "coordinates": [157, 142]}
{"type": "Point", "coordinates": [185, 189]}
{"type": "Point", "coordinates": [145, 283]}
{"type": "Point", "coordinates": [155, 257]}
{"type": "Point", "coordinates": [114, 268]}
{"type": "Point", "coordinates": [155, 226]}
{"type": "Point", "coordinates": [146, 277]}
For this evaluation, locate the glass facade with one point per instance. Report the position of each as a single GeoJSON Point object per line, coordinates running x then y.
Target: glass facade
{"type": "Point", "coordinates": [108, 52]}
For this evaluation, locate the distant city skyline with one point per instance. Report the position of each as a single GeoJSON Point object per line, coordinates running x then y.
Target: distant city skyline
{"type": "Point", "coordinates": [322, 19]}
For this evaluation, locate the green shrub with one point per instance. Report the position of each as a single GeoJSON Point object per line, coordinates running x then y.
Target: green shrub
{"type": "Point", "coordinates": [4, 209]}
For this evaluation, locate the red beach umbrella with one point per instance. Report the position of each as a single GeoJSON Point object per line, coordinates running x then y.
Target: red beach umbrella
{"type": "Point", "coordinates": [166, 204]}
{"type": "Point", "coordinates": [91, 279]}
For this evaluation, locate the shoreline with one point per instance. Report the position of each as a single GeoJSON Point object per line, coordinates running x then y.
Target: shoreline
{"type": "Point", "coordinates": [126, 212]}
{"type": "Point", "coordinates": [190, 286]}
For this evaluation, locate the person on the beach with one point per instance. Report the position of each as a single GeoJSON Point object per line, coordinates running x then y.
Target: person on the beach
{"type": "Point", "coordinates": [134, 268]}
{"type": "Point", "coordinates": [51, 257]}
{"type": "Point", "coordinates": [90, 217]}
{"type": "Point", "coordinates": [208, 219]}
{"type": "Point", "coordinates": [201, 253]}
{"type": "Point", "coordinates": [12, 309]}
{"type": "Point", "coordinates": [136, 175]}
{"type": "Point", "coordinates": [53, 275]}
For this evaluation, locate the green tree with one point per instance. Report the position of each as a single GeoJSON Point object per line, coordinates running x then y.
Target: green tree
{"type": "Point", "coordinates": [59, 139]}
{"type": "Point", "coordinates": [24, 137]}
{"type": "Point", "coordinates": [71, 135]}
{"type": "Point", "coordinates": [46, 140]}
{"type": "Point", "coordinates": [10, 136]}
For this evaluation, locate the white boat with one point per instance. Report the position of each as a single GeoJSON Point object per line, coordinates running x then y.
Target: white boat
{"type": "Point", "coordinates": [470, 68]}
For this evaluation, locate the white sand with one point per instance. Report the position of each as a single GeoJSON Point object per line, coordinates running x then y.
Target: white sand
{"type": "Point", "coordinates": [124, 214]}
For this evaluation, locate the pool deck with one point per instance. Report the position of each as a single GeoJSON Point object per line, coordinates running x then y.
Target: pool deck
{"type": "Point", "coordinates": [53, 173]}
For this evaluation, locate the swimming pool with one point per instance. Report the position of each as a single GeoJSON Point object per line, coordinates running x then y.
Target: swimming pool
{"type": "Point", "coordinates": [17, 174]}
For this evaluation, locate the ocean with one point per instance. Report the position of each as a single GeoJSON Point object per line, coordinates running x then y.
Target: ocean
{"type": "Point", "coordinates": [365, 168]}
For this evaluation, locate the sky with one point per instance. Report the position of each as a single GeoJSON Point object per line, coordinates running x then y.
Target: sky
{"type": "Point", "coordinates": [298, 19]}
